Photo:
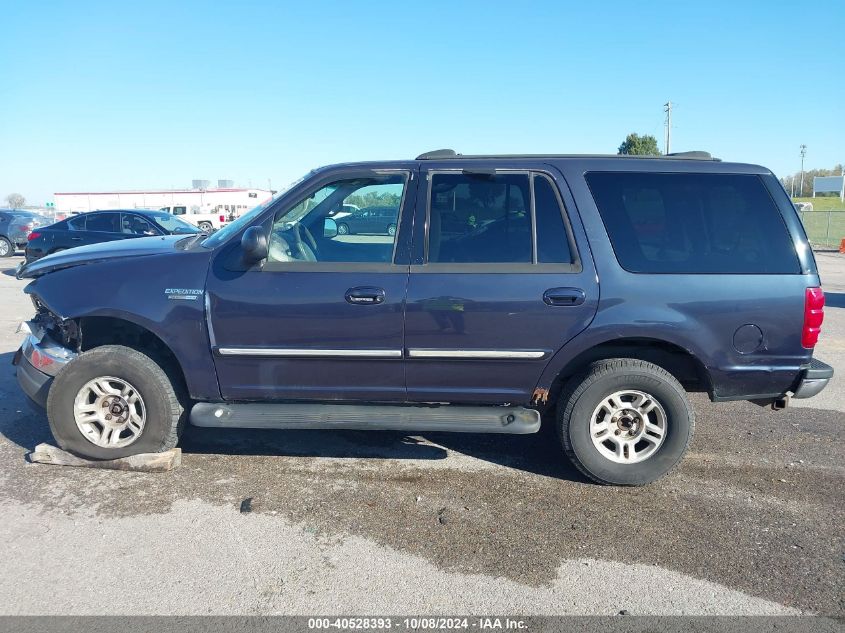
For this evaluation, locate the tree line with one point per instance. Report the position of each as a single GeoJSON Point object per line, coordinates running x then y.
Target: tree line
{"type": "Point", "coordinates": [792, 183]}
{"type": "Point", "coordinates": [15, 201]}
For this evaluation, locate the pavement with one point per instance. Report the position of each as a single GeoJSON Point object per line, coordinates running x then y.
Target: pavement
{"type": "Point", "coordinates": [386, 523]}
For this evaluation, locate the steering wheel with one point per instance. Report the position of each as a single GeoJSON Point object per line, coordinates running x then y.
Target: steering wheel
{"type": "Point", "coordinates": [309, 237]}
{"type": "Point", "coordinates": [305, 251]}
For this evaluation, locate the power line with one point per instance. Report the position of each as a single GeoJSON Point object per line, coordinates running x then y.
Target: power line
{"type": "Point", "coordinates": [667, 108]}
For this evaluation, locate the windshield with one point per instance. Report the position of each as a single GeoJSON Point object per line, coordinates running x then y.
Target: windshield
{"type": "Point", "coordinates": [217, 238]}
{"type": "Point", "coordinates": [172, 224]}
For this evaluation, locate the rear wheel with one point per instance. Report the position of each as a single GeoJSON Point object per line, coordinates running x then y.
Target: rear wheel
{"type": "Point", "coordinates": [625, 421]}
{"type": "Point", "coordinates": [6, 248]}
{"type": "Point", "coordinates": [114, 401]}
{"type": "Point", "coordinates": [391, 230]}
{"type": "Point", "coordinates": [205, 226]}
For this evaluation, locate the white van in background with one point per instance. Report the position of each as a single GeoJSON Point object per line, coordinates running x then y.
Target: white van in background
{"type": "Point", "coordinates": [205, 218]}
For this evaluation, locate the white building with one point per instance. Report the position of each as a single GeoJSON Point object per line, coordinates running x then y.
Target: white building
{"type": "Point", "coordinates": [232, 201]}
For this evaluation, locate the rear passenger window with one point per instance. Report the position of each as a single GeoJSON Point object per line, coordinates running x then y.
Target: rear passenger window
{"type": "Point", "coordinates": [105, 222]}
{"type": "Point", "coordinates": [480, 219]}
{"type": "Point", "coordinates": [552, 238]}
{"type": "Point", "coordinates": [486, 218]}
{"type": "Point", "coordinates": [693, 223]}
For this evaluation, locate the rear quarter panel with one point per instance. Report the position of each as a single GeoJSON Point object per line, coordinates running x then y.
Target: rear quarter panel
{"type": "Point", "coordinates": [697, 312]}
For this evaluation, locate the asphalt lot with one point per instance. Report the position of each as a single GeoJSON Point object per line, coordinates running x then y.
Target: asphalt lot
{"type": "Point", "coordinates": [355, 522]}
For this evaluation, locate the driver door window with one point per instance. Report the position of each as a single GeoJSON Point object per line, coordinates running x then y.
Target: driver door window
{"type": "Point", "coordinates": [136, 225]}
{"type": "Point", "coordinates": [352, 220]}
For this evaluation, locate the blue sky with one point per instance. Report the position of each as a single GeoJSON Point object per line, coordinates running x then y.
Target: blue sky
{"type": "Point", "coordinates": [152, 94]}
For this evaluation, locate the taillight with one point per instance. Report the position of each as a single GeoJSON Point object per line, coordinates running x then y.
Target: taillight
{"type": "Point", "coordinates": [222, 218]}
{"type": "Point", "coordinates": [813, 317]}
{"type": "Point", "coordinates": [34, 235]}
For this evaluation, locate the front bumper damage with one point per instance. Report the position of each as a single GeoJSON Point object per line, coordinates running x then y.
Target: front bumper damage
{"type": "Point", "coordinates": [38, 361]}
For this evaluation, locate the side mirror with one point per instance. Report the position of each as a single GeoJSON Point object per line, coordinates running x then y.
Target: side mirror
{"type": "Point", "coordinates": [254, 245]}
{"type": "Point", "coordinates": [329, 228]}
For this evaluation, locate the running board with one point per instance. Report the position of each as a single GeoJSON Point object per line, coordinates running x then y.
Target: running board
{"type": "Point", "coordinates": [454, 418]}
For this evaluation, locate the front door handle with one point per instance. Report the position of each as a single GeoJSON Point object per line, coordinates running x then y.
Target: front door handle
{"type": "Point", "coordinates": [564, 297]}
{"type": "Point", "coordinates": [76, 239]}
{"type": "Point", "coordinates": [365, 295]}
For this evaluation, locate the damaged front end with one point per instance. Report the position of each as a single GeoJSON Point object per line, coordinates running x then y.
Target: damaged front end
{"type": "Point", "coordinates": [50, 343]}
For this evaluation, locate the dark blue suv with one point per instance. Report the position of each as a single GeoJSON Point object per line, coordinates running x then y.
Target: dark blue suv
{"type": "Point", "coordinates": [598, 290]}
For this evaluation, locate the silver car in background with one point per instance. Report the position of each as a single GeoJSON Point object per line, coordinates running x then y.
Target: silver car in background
{"type": "Point", "coordinates": [15, 227]}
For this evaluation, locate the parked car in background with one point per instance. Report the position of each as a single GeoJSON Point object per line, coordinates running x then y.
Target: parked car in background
{"type": "Point", "coordinates": [15, 227]}
{"type": "Point", "coordinates": [207, 220]}
{"type": "Point", "coordinates": [803, 206]}
{"type": "Point", "coordinates": [103, 226]}
{"type": "Point", "coordinates": [379, 220]}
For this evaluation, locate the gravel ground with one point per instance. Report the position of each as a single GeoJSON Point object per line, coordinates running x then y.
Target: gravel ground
{"type": "Point", "coordinates": [356, 522]}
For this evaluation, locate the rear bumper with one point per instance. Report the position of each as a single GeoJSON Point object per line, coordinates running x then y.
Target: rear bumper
{"type": "Point", "coordinates": [814, 377]}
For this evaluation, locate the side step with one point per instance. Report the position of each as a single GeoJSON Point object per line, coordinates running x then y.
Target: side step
{"type": "Point", "coordinates": [454, 418]}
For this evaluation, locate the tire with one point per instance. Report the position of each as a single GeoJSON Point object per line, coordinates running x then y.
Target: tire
{"type": "Point", "coordinates": [342, 229]}
{"type": "Point", "coordinates": [391, 230]}
{"type": "Point", "coordinates": [584, 409]}
{"type": "Point", "coordinates": [6, 248]}
{"type": "Point", "coordinates": [164, 414]}
{"type": "Point", "coordinates": [205, 226]}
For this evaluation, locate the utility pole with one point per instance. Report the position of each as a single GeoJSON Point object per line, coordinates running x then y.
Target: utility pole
{"type": "Point", "coordinates": [667, 108]}
{"type": "Point", "coordinates": [803, 153]}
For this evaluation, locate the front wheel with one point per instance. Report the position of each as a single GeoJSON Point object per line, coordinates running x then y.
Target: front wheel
{"type": "Point", "coordinates": [205, 227]}
{"type": "Point", "coordinates": [391, 230]}
{"type": "Point", "coordinates": [624, 421]}
{"type": "Point", "coordinates": [342, 229]}
{"type": "Point", "coordinates": [114, 401]}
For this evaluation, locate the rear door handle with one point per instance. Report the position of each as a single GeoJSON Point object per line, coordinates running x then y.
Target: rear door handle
{"type": "Point", "coordinates": [76, 239]}
{"type": "Point", "coordinates": [365, 295]}
{"type": "Point", "coordinates": [564, 297]}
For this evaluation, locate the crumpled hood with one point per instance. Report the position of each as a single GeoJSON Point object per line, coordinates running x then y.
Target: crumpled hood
{"type": "Point", "coordinates": [95, 253]}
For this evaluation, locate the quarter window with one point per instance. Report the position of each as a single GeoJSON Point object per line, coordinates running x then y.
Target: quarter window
{"type": "Point", "coordinates": [693, 223]}
{"type": "Point", "coordinates": [552, 238]}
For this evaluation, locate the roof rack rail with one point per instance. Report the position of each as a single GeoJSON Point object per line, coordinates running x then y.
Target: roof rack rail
{"type": "Point", "coordinates": [445, 154]}
{"type": "Point", "coordinates": [437, 153]}
{"type": "Point", "coordinates": [695, 155]}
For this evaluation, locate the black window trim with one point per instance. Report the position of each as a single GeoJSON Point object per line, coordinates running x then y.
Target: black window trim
{"type": "Point", "coordinates": [498, 267]}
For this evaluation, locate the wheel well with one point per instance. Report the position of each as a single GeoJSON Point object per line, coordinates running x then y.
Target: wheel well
{"type": "Point", "coordinates": [685, 367]}
{"type": "Point", "coordinates": [98, 331]}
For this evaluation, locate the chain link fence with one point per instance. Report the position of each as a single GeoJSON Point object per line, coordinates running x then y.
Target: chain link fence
{"type": "Point", "coordinates": [825, 229]}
